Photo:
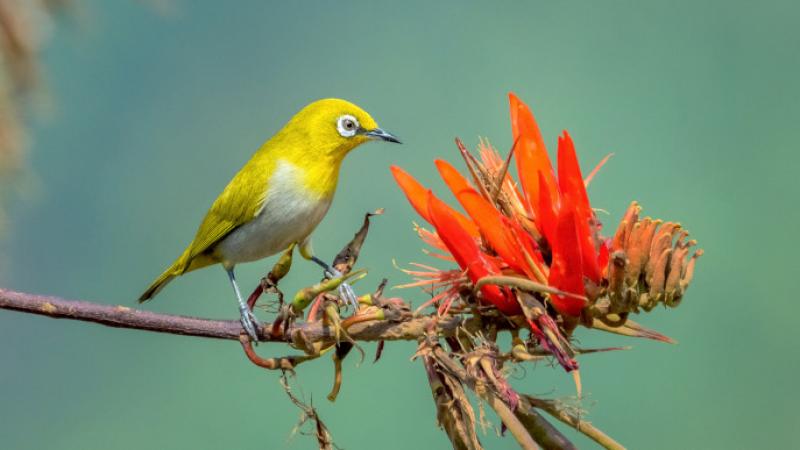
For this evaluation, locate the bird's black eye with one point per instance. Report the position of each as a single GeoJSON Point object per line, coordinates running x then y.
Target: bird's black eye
{"type": "Point", "coordinates": [347, 125]}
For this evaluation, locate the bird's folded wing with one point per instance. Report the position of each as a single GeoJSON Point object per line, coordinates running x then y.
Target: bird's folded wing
{"type": "Point", "coordinates": [237, 205]}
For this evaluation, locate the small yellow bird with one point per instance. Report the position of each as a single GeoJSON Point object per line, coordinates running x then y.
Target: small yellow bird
{"type": "Point", "coordinates": [279, 197]}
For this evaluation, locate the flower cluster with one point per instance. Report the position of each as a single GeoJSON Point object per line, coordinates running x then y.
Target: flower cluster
{"type": "Point", "coordinates": [534, 247]}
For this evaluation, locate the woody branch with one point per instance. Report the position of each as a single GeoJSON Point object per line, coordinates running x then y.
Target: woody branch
{"type": "Point", "coordinates": [124, 317]}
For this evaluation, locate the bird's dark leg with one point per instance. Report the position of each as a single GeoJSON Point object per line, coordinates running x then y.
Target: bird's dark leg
{"type": "Point", "coordinates": [345, 290]}
{"type": "Point", "coordinates": [328, 269]}
{"type": "Point", "coordinates": [248, 319]}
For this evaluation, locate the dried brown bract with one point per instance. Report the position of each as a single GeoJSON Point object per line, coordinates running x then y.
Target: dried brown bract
{"type": "Point", "coordinates": [651, 262]}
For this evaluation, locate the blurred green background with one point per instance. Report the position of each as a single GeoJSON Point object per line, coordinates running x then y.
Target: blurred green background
{"type": "Point", "coordinates": [154, 113]}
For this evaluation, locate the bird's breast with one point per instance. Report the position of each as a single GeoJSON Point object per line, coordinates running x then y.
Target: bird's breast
{"type": "Point", "coordinates": [289, 213]}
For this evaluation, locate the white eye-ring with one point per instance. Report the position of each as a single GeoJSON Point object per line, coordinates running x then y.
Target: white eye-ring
{"type": "Point", "coordinates": [347, 125]}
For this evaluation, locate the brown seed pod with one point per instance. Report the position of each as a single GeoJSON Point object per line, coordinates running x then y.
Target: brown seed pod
{"type": "Point", "coordinates": [649, 264]}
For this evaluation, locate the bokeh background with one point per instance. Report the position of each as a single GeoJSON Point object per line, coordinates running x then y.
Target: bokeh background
{"type": "Point", "coordinates": [154, 109]}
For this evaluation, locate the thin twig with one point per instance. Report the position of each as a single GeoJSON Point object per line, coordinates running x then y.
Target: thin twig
{"type": "Point", "coordinates": [552, 408]}
{"type": "Point", "coordinates": [523, 283]}
{"type": "Point", "coordinates": [309, 413]}
{"type": "Point", "coordinates": [501, 177]}
{"type": "Point", "coordinates": [542, 431]}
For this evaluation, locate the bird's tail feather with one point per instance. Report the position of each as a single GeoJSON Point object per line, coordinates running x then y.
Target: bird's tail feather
{"type": "Point", "coordinates": [157, 285]}
{"type": "Point", "coordinates": [179, 267]}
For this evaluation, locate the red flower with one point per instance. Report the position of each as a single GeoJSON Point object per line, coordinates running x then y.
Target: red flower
{"type": "Point", "coordinates": [541, 237]}
{"type": "Point", "coordinates": [546, 232]}
{"type": "Point", "coordinates": [560, 208]}
{"type": "Point", "coordinates": [498, 237]}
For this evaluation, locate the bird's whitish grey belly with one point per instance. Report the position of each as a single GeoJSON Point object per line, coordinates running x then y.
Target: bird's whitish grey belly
{"type": "Point", "coordinates": [285, 219]}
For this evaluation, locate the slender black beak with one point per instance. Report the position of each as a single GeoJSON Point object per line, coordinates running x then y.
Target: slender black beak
{"type": "Point", "coordinates": [379, 134]}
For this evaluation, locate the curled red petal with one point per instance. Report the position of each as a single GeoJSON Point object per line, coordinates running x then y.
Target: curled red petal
{"type": "Point", "coordinates": [468, 255]}
{"type": "Point", "coordinates": [573, 192]}
{"type": "Point", "coordinates": [457, 240]}
{"type": "Point", "coordinates": [570, 180]}
{"type": "Point", "coordinates": [565, 270]}
{"type": "Point", "coordinates": [493, 229]}
{"type": "Point", "coordinates": [417, 195]}
{"type": "Point", "coordinates": [531, 154]}
{"type": "Point", "coordinates": [452, 177]}
{"type": "Point", "coordinates": [527, 243]}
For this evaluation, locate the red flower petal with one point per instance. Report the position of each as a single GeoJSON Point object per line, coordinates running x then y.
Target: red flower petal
{"type": "Point", "coordinates": [494, 229]}
{"type": "Point", "coordinates": [570, 180]}
{"type": "Point", "coordinates": [573, 192]}
{"type": "Point", "coordinates": [489, 220]}
{"type": "Point", "coordinates": [417, 195]}
{"type": "Point", "coordinates": [468, 254]}
{"type": "Point", "coordinates": [603, 256]}
{"type": "Point", "coordinates": [452, 177]}
{"type": "Point", "coordinates": [565, 270]}
{"type": "Point", "coordinates": [531, 153]}
{"type": "Point", "coordinates": [528, 245]}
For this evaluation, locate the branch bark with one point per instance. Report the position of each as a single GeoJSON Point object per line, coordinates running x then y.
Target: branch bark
{"type": "Point", "coordinates": [123, 317]}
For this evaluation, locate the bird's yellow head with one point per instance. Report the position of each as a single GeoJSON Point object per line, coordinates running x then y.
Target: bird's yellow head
{"type": "Point", "coordinates": [332, 127]}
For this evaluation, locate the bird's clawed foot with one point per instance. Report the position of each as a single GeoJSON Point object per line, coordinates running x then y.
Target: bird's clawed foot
{"type": "Point", "coordinates": [250, 323]}
{"type": "Point", "coordinates": [346, 291]}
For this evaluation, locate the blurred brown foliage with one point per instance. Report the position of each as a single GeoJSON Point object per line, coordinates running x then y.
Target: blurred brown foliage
{"type": "Point", "coordinates": [25, 28]}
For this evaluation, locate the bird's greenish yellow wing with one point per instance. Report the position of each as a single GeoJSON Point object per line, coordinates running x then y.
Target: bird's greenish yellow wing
{"type": "Point", "coordinates": [237, 205]}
